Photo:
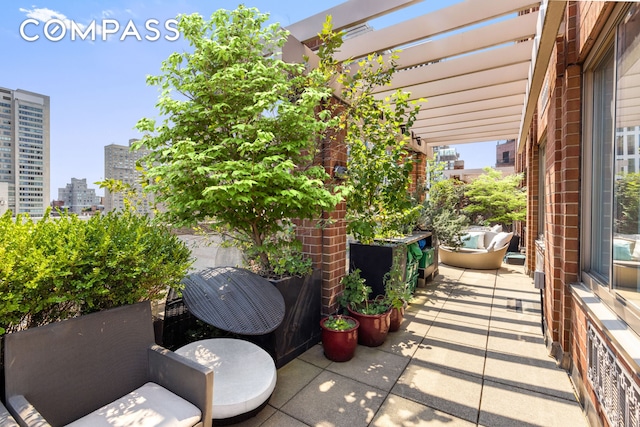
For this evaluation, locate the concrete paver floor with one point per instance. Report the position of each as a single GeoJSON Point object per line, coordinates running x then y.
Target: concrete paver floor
{"type": "Point", "coordinates": [470, 352]}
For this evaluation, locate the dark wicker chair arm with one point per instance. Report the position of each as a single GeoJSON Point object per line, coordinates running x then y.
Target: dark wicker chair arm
{"type": "Point", "coordinates": [184, 377]}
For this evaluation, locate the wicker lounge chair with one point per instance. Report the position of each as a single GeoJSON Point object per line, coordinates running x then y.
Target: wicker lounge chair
{"type": "Point", "coordinates": [478, 259]}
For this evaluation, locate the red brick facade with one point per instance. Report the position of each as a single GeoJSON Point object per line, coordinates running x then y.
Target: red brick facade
{"type": "Point", "coordinates": [557, 131]}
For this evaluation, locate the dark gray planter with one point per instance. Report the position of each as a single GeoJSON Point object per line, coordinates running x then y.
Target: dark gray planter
{"type": "Point", "coordinates": [300, 328]}
{"type": "Point", "coordinates": [374, 261]}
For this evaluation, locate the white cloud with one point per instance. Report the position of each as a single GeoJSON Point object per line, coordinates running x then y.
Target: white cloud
{"type": "Point", "coordinates": [107, 13]}
{"type": "Point", "coordinates": [43, 15]}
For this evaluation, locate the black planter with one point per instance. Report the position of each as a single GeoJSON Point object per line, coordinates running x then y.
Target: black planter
{"type": "Point", "coordinates": [374, 261]}
{"type": "Point", "coordinates": [299, 330]}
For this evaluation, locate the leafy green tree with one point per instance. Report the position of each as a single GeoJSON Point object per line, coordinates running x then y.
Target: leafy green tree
{"type": "Point", "coordinates": [442, 207]}
{"type": "Point", "coordinates": [240, 133]}
{"type": "Point", "coordinates": [493, 198]}
{"type": "Point", "coordinates": [627, 203]}
{"type": "Point", "coordinates": [380, 203]}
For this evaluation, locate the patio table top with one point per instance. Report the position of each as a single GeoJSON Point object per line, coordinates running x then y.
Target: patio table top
{"type": "Point", "coordinates": [234, 300]}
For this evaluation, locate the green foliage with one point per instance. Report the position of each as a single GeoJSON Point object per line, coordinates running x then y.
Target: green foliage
{"type": "Point", "coordinates": [627, 204]}
{"type": "Point", "coordinates": [356, 295]}
{"type": "Point", "coordinates": [53, 269]}
{"type": "Point", "coordinates": [379, 164]}
{"type": "Point", "coordinates": [339, 323]}
{"type": "Point", "coordinates": [493, 198]}
{"type": "Point", "coordinates": [355, 291]}
{"type": "Point", "coordinates": [239, 136]}
{"type": "Point", "coordinates": [442, 208]}
{"type": "Point", "coordinates": [397, 292]}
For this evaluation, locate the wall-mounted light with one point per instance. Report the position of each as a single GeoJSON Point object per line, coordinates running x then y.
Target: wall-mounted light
{"type": "Point", "coordinates": [403, 129]}
{"type": "Point", "coordinates": [418, 140]}
{"type": "Point", "coordinates": [340, 172]}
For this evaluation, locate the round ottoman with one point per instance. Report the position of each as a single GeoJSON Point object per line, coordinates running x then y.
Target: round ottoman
{"type": "Point", "coordinates": [244, 376]}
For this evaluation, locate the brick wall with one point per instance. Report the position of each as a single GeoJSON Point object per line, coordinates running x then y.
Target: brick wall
{"type": "Point", "coordinates": [325, 239]}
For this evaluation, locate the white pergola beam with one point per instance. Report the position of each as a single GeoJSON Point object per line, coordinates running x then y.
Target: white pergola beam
{"type": "Point", "coordinates": [421, 127]}
{"type": "Point", "coordinates": [479, 94]}
{"type": "Point", "coordinates": [519, 28]}
{"type": "Point", "coordinates": [472, 63]}
{"type": "Point", "coordinates": [467, 117]}
{"type": "Point", "coordinates": [471, 139]}
{"type": "Point", "coordinates": [428, 25]}
{"type": "Point", "coordinates": [345, 15]}
{"type": "Point", "coordinates": [482, 105]}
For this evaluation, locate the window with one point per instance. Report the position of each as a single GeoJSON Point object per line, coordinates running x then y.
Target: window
{"type": "Point", "coordinates": [613, 227]}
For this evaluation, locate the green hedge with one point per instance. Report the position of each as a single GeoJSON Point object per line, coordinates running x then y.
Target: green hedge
{"type": "Point", "coordinates": [57, 268]}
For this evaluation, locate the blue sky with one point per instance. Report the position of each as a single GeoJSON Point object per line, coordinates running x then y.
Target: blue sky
{"type": "Point", "coordinates": [98, 90]}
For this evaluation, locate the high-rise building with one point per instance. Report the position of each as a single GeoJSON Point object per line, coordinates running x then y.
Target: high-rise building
{"type": "Point", "coordinates": [448, 156]}
{"type": "Point", "coordinates": [24, 150]}
{"type": "Point", "coordinates": [120, 164]}
{"type": "Point", "coordinates": [77, 197]}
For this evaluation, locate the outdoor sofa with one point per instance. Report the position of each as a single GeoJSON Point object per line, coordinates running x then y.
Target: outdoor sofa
{"type": "Point", "coordinates": [103, 369]}
{"type": "Point", "coordinates": [482, 250]}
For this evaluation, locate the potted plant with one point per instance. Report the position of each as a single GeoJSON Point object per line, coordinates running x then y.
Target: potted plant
{"type": "Point", "coordinates": [339, 337]}
{"type": "Point", "coordinates": [235, 150]}
{"type": "Point", "coordinates": [373, 315]}
{"type": "Point", "coordinates": [397, 294]}
{"type": "Point", "coordinates": [377, 135]}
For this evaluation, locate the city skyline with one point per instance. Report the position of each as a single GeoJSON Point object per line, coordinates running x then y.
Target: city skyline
{"type": "Point", "coordinates": [97, 88]}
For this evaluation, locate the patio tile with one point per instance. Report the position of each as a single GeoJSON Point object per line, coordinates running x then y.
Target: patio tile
{"type": "Point", "coordinates": [465, 306]}
{"type": "Point", "coordinates": [280, 419]}
{"type": "Point", "coordinates": [526, 410]}
{"type": "Point", "coordinates": [334, 400]}
{"type": "Point", "coordinates": [315, 356]}
{"type": "Point", "coordinates": [292, 378]}
{"type": "Point", "coordinates": [449, 355]}
{"type": "Point", "coordinates": [372, 366]}
{"type": "Point", "coordinates": [442, 389]}
{"type": "Point", "coordinates": [542, 376]}
{"type": "Point", "coordinates": [260, 418]}
{"type": "Point", "coordinates": [397, 411]}
{"type": "Point", "coordinates": [405, 341]}
{"type": "Point", "coordinates": [419, 323]}
{"type": "Point", "coordinates": [518, 343]}
{"type": "Point", "coordinates": [518, 322]}
{"type": "Point", "coordinates": [464, 333]}
{"type": "Point", "coordinates": [452, 313]}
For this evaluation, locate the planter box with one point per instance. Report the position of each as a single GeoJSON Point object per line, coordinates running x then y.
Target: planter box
{"type": "Point", "coordinates": [374, 261]}
{"type": "Point", "coordinates": [299, 330]}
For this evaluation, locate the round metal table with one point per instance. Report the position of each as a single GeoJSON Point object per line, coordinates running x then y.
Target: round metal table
{"type": "Point", "coordinates": [234, 300]}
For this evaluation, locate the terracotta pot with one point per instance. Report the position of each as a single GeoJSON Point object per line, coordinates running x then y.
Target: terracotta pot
{"type": "Point", "coordinates": [340, 346]}
{"type": "Point", "coordinates": [373, 327]}
{"type": "Point", "coordinates": [395, 319]}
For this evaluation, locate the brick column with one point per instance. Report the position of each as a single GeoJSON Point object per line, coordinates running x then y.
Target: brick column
{"type": "Point", "coordinates": [563, 190]}
{"type": "Point", "coordinates": [325, 239]}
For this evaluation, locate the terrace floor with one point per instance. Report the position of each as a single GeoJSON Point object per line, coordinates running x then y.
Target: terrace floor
{"type": "Point", "coordinates": [470, 352]}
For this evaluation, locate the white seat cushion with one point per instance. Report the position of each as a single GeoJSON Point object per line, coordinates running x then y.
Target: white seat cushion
{"type": "Point", "coordinates": [149, 405]}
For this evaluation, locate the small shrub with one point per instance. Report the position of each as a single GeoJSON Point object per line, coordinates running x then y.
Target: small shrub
{"type": "Point", "coordinates": [54, 269]}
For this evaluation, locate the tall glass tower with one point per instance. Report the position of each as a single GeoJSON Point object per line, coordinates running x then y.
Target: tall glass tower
{"type": "Point", "coordinates": [24, 151]}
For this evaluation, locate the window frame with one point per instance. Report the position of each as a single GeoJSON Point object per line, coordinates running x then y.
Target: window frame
{"type": "Point", "coordinates": [605, 41]}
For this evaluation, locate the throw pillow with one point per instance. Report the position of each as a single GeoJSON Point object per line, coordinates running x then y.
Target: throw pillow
{"type": "Point", "coordinates": [636, 251]}
{"type": "Point", "coordinates": [497, 228]}
{"type": "Point", "coordinates": [470, 241]}
{"type": "Point", "coordinates": [622, 249]}
{"type": "Point", "coordinates": [499, 241]}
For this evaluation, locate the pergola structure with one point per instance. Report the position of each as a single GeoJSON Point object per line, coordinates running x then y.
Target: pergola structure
{"type": "Point", "coordinates": [479, 64]}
